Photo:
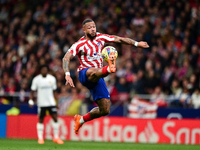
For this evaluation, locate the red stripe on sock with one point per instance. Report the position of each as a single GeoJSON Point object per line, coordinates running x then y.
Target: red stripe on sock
{"type": "Point", "coordinates": [87, 117]}
{"type": "Point", "coordinates": [105, 71]}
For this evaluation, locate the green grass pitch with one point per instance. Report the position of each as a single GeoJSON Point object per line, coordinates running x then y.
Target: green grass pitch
{"type": "Point", "coordinates": [24, 144]}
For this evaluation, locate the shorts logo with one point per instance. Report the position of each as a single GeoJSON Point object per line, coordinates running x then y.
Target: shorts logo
{"type": "Point", "coordinates": [54, 109]}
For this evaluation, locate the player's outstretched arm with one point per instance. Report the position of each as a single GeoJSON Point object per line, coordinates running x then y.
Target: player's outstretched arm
{"type": "Point", "coordinates": [66, 62]}
{"type": "Point", "coordinates": [129, 41]}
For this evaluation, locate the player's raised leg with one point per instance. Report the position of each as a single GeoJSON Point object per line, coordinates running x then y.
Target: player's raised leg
{"type": "Point", "coordinates": [99, 91]}
{"type": "Point", "coordinates": [103, 109]}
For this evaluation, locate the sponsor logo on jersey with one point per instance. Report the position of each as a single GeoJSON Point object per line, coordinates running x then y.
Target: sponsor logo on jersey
{"type": "Point", "coordinates": [45, 87]}
{"type": "Point", "coordinates": [95, 56]}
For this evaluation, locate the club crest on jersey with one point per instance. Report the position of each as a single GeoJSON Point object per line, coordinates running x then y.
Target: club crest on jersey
{"type": "Point", "coordinates": [99, 44]}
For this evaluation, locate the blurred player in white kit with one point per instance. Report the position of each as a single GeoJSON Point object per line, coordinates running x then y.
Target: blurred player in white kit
{"type": "Point", "coordinates": [45, 85]}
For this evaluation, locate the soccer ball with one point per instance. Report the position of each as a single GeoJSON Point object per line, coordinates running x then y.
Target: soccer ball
{"type": "Point", "coordinates": [106, 51]}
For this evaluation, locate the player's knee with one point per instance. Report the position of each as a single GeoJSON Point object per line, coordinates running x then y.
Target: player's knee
{"type": "Point", "coordinates": [55, 119]}
{"type": "Point", "coordinates": [94, 73]}
{"type": "Point", "coordinates": [41, 120]}
{"type": "Point", "coordinates": [105, 112]}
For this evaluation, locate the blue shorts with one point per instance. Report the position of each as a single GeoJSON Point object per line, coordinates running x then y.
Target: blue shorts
{"type": "Point", "coordinates": [98, 89]}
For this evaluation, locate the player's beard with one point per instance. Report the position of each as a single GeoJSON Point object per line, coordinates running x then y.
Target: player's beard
{"type": "Point", "coordinates": [90, 36]}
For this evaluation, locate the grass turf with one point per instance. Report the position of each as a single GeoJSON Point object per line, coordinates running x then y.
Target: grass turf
{"type": "Point", "coordinates": [24, 144]}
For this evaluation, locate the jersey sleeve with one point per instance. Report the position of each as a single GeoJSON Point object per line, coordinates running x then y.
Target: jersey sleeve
{"type": "Point", "coordinates": [54, 84]}
{"type": "Point", "coordinates": [34, 85]}
{"type": "Point", "coordinates": [73, 49]}
{"type": "Point", "coordinates": [107, 38]}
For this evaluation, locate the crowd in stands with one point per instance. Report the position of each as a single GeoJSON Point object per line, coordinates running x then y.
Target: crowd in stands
{"type": "Point", "coordinates": [33, 33]}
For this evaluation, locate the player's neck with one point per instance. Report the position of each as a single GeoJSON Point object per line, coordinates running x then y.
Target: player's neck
{"type": "Point", "coordinates": [44, 75]}
{"type": "Point", "coordinates": [89, 38]}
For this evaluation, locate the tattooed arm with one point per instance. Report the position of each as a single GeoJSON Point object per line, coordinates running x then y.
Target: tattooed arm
{"type": "Point", "coordinates": [66, 62]}
{"type": "Point", "coordinates": [129, 41]}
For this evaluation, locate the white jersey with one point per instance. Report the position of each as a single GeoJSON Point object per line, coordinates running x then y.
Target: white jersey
{"type": "Point", "coordinates": [44, 87]}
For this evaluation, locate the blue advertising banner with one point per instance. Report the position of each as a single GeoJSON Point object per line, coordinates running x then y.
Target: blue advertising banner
{"type": "Point", "coordinates": [178, 113]}
{"type": "Point", "coordinates": [3, 119]}
{"type": "Point", "coordinates": [24, 109]}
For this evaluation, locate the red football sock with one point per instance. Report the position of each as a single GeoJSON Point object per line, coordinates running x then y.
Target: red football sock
{"type": "Point", "coordinates": [87, 117]}
{"type": "Point", "coordinates": [105, 70]}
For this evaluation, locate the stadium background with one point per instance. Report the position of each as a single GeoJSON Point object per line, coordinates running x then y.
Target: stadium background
{"type": "Point", "coordinates": [167, 74]}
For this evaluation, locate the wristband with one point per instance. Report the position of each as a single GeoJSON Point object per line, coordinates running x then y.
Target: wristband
{"type": "Point", "coordinates": [31, 102]}
{"type": "Point", "coordinates": [136, 43]}
{"type": "Point", "coordinates": [67, 73]}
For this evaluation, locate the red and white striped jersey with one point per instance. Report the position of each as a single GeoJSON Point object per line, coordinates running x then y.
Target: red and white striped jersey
{"type": "Point", "coordinates": [89, 51]}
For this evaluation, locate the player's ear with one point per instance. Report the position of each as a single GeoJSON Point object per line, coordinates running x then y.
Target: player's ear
{"type": "Point", "coordinates": [84, 29]}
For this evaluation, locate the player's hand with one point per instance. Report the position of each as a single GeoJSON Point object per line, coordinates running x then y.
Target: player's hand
{"type": "Point", "coordinates": [69, 81]}
{"type": "Point", "coordinates": [143, 44]}
{"type": "Point", "coordinates": [31, 103]}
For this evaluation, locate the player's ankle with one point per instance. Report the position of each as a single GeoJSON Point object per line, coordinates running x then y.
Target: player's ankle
{"type": "Point", "coordinates": [40, 139]}
{"type": "Point", "coordinates": [106, 70]}
{"type": "Point", "coordinates": [81, 120]}
{"type": "Point", "coordinates": [87, 117]}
